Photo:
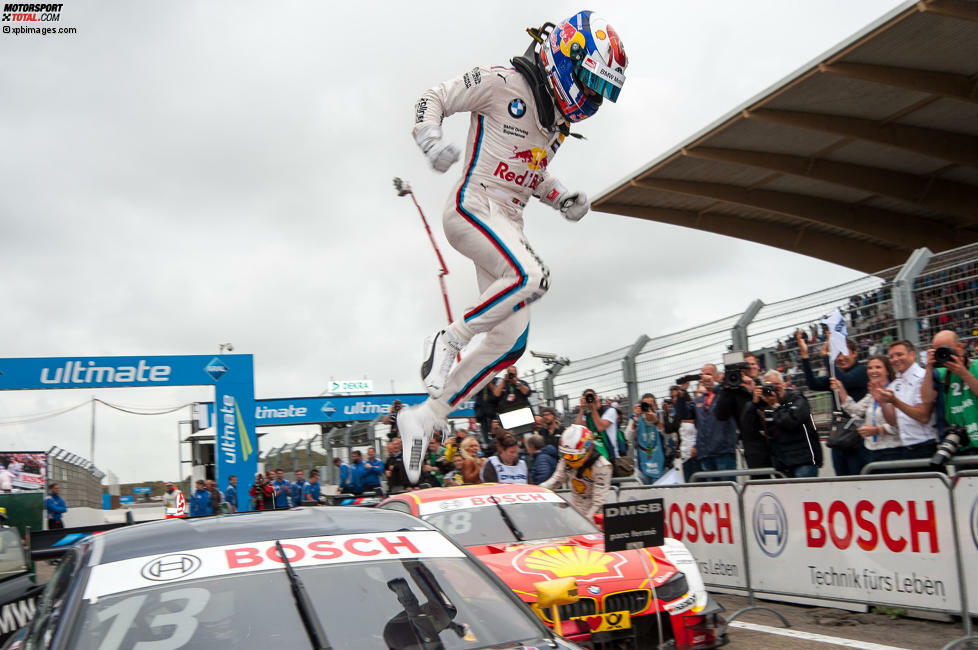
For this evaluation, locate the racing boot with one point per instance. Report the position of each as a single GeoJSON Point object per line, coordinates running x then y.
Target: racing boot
{"type": "Point", "coordinates": [416, 424]}
{"type": "Point", "coordinates": [440, 351]}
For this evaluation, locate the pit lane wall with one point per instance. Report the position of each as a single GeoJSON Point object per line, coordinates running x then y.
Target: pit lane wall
{"type": "Point", "coordinates": [906, 541]}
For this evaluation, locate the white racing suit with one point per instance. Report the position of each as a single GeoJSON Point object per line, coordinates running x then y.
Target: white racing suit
{"type": "Point", "coordinates": [588, 488]}
{"type": "Point", "coordinates": [505, 162]}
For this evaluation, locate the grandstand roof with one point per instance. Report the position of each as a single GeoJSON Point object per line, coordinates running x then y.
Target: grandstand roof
{"type": "Point", "coordinates": [858, 158]}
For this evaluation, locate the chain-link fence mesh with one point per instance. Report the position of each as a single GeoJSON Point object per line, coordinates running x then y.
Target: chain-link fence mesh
{"type": "Point", "coordinates": [945, 294]}
{"type": "Point", "coordinates": [602, 373]}
{"type": "Point", "coordinates": [666, 358]}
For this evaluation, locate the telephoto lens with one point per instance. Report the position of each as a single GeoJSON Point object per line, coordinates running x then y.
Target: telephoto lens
{"type": "Point", "coordinates": [949, 446]}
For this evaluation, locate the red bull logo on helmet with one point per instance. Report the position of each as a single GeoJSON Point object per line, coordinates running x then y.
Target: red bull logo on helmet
{"type": "Point", "coordinates": [534, 158]}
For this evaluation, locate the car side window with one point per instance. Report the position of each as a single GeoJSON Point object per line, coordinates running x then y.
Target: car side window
{"type": "Point", "coordinates": [13, 561]}
{"type": "Point", "coordinates": [400, 506]}
{"type": "Point", "coordinates": [51, 604]}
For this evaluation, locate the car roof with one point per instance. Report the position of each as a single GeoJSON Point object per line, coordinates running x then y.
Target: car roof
{"type": "Point", "coordinates": [172, 535]}
{"type": "Point", "coordinates": [439, 493]}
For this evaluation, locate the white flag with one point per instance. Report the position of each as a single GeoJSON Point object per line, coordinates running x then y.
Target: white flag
{"type": "Point", "coordinates": [669, 478]}
{"type": "Point", "coordinates": [837, 335]}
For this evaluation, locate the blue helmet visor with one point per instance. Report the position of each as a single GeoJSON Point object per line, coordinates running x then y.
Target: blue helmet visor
{"type": "Point", "coordinates": [599, 78]}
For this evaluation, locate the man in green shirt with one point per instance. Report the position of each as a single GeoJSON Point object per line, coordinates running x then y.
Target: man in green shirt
{"type": "Point", "coordinates": [603, 423]}
{"type": "Point", "coordinates": [957, 380]}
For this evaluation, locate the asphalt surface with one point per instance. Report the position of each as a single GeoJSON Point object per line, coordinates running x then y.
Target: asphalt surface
{"type": "Point", "coordinates": [880, 629]}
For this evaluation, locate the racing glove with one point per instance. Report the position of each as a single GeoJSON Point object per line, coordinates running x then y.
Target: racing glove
{"type": "Point", "coordinates": [439, 153]}
{"type": "Point", "coordinates": [573, 205]}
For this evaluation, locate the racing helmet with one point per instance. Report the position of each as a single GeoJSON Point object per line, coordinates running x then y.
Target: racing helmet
{"type": "Point", "coordinates": [576, 442]}
{"type": "Point", "coordinates": [584, 62]}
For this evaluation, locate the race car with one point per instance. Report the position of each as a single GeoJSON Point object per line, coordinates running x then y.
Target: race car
{"type": "Point", "coordinates": [17, 589]}
{"type": "Point", "coordinates": [526, 534]}
{"type": "Point", "coordinates": [324, 577]}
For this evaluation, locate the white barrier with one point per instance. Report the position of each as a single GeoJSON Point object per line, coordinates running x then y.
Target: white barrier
{"type": "Point", "coordinates": [858, 539]}
{"type": "Point", "coordinates": [705, 517]}
{"type": "Point", "coordinates": [965, 495]}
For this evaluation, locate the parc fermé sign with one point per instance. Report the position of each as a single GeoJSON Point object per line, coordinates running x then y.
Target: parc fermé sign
{"type": "Point", "coordinates": [965, 495]}
{"type": "Point", "coordinates": [706, 518]}
{"type": "Point", "coordinates": [884, 541]}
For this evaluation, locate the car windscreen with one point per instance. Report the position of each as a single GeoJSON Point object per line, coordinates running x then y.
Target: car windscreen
{"type": "Point", "coordinates": [380, 604]}
{"type": "Point", "coordinates": [472, 524]}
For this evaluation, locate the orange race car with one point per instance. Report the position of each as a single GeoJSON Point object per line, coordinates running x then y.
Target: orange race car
{"type": "Point", "coordinates": [640, 598]}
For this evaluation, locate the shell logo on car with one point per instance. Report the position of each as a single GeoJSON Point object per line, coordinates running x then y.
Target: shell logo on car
{"type": "Point", "coordinates": [566, 561]}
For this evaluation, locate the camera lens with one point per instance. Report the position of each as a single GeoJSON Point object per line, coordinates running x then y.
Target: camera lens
{"type": "Point", "coordinates": [949, 446]}
{"type": "Point", "coordinates": [942, 355]}
{"type": "Point", "coordinates": [645, 406]}
{"type": "Point", "coordinates": [589, 398]}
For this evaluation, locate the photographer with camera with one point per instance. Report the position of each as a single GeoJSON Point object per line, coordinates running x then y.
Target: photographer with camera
{"type": "Point", "coordinates": [783, 417]}
{"type": "Point", "coordinates": [510, 391]}
{"type": "Point", "coordinates": [685, 421]}
{"type": "Point", "coordinates": [670, 426]}
{"type": "Point", "coordinates": [391, 419]}
{"type": "Point", "coordinates": [603, 423]}
{"type": "Point", "coordinates": [740, 386]}
{"type": "Point", "coordinates": [650, 451]}
{"type": "Point", "coordinates": [852, 375]}
{"type": "Point", "coordinates": [716, 441]}
{"type": "Point", "coordinates": [956, 383]}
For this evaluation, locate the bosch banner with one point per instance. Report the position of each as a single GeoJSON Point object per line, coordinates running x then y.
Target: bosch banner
{"type": "Point", "coordinates": [324, 410]}
{"type": "Point", "coordinates": [965, 495]}
{"type": "Point", "coordinates": [858, 540]}
{"type": "Point", "coordinates": [232, 375]}
{"type": "Point", "coordinates": [706, 518]}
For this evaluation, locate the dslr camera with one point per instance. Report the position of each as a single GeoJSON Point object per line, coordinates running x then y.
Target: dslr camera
{"type": "Point", "coordinates": [734, 368]}
{"type": "Point", "coordinates": [954, 437]}
{"type": "Point", "coordinates": [942, 355]}
{"type": "Point", "coordinates": [769, 390]}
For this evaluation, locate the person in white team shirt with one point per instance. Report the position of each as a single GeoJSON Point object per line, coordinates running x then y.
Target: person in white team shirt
{"type": "Point", "coordinates": [520, 115]}
{"type": "Point", "coordinates": [505, 466]}
{"type": "Point", "coordinates": [904, 407]}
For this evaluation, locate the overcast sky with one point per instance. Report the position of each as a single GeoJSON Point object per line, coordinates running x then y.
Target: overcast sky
{"type": "Point", "coordinates": [176, 176]}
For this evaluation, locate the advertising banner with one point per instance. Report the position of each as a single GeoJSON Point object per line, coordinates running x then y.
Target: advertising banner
{"type": "Point", "coordinates": [232, 375]}
{"type": "Point", "coordinates": [23, 471]}
{"type": "Point", "coordinates": [706, 518]}
{"type": "Point", "coordinates": [324, 410]}
{"type": "Point", "coordinates": [965, 495]}
{"type": "Point", "coordinates": [879, 541]}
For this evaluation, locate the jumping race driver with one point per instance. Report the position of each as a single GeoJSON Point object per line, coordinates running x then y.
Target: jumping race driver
{"type": "Point", "coordinates": [519, 118]}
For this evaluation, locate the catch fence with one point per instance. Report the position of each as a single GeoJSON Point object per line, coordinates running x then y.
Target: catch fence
{"type": "Point", "coordinates": [913, 301]}
{"type": "Point", "coordinates": [79, 480]}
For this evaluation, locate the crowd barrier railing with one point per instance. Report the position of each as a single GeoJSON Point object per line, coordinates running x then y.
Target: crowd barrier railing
{"type": "Point", "coordinates": [907, 540]}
